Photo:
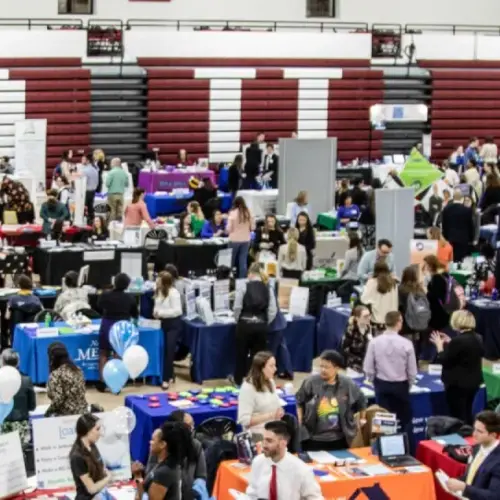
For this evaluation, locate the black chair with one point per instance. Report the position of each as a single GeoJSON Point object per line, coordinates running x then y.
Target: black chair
{"type": "Point", "coordinates": [89, 313]}
{"type": "Point", "coordinates": [216, 427]}
{"type": "Point", "coordinates": [20, 314]}
{"type": "Point", "coordinates": [293, 429]}
{"type": "Point", "coordinates": [54, 316]}
{"type": "Point", "coordinates": [153, 238]}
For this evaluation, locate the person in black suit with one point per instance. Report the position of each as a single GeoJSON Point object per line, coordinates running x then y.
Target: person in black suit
{"type": "Point", "coordinates": [234, 175]}
{"type": "Point", "coordinates": [458, 226]}
{"type": "Point", "coordinates": [271, 163]}
{"type": "Point", "coordinates": [437, 283]}
{"type": "Point", "coordinates": [358, 194]}
{"type": "Point", "coordinates": [461, 358]}
{"type": "Point", "coordinates": [253, 161]}
{"type": "Point", "coordinates": [482, 477]}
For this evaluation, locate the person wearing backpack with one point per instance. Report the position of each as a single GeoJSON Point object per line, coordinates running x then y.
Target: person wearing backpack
{"type": "Point", "coordinates": [414, 307]}
{"type": "Point", "coordinates": [461, 358]}
{"type": "Point", "coordinates": [441, 293]}
{"type": "Point", "coordinates": [255, 308]}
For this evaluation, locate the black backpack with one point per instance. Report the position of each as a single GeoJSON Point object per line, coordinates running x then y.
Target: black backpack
{"type": "Point", "coordinates": [256, 300]}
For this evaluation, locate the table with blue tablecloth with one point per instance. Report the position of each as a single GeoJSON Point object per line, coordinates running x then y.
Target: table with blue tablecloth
{"type": "Point", "coordinates": [149, 419]}
{"type": "Point", "coordinates": [487, 314]}
{"type": "Point", "coordinates": [426, 401]}
{"type": "Point", "coordinates": [164, 180]}
{"type": "Point", "coordinates": [331, 327]}
{"type": "Point", "coordinates": [212, 347]}
{"type": "Point", "coordinates": [83, 349]}
{"type": "Point", "coordinates": [168, 204]}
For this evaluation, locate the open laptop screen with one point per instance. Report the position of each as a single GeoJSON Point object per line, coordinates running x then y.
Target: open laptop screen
{"type": "Point", "coordinates": [392, 446]}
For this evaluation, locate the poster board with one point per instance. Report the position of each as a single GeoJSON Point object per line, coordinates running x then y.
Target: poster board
{"type": "Point", "coordinates": [13, 477]}
{"type": "Point", "coordinates": [78, 214]}
{"type": "Point", "coordinates": [421, 248]}
{"type": "Point", "coordinates": [53, 439]}
{"type": "Point", "coordinates": [30, 150]}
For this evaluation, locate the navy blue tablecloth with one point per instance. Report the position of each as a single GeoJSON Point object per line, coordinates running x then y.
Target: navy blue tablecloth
{"type": "Point", "coordinates": [83, 349]}
{"type": "Point", "coordinates": [149, 419]}
{"type": "Point", "coordinates": [212, 347]}
{"type": "Point", "coordinates": [164, 204]}
{"type": "Point", "coordinates": [331, 327]}
{"type": "Point", "coordinates": [487, 314]}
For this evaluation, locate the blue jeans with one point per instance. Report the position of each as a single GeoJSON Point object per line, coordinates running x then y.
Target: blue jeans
{"type": "Point", "coordinates": [240, 256]}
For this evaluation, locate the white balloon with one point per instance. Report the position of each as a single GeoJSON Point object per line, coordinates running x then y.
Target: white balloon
{"type": "Point", "coordinates": [136, 360]}
{"type": "Point", "coordinates": [10, 383]}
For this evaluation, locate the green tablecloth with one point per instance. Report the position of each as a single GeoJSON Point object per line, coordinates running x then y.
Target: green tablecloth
{"type": "Point", "coordinates": [327, 221]}
{"type": "Point", "coordinates": [492, 382]}
{"type": "Point", "coordinates": [461, 276]}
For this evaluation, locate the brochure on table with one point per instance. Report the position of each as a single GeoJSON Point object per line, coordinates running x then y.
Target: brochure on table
{"type": "Point", "coordinates": [53, 439]}
{"type": "Point", "coordinates": [13, 477]}
{"type": "Point", "coordinates": [221, 296]}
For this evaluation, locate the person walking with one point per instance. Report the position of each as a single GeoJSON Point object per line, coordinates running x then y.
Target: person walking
{"type": "Point", "coordinates": [240, 225]}
{"type": "Point", "coordinates": [391, 364]}
{"type": "Point", "coordinates": [116, 182]}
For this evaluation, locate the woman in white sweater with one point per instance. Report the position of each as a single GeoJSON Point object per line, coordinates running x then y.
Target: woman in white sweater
{"type": "Point", "coordinates": [292, 257]}
{"type": "Point", "coordinates": [258, 402]}
{"type": "Point", "coordinates": [168, 309]}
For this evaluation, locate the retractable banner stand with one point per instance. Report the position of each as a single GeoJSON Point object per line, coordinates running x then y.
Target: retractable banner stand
{"type": "Point", "coordinates": [308, 165]}
{"type": "Point", "coordinates": [395, 221]}
{"type": "Point", "coordinates": [30, 150]}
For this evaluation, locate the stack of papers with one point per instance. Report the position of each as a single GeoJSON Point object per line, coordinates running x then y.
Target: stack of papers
{"type": "Point", "coordinates": [442, 477]}
{"type": "Point", "coordinates": [450, 439]}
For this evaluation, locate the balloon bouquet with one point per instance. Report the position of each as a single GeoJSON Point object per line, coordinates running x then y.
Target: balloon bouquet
{"type": "Point", "coordinates": [10, 383]}
{"type": "Point", "coordinates": [123, 337]}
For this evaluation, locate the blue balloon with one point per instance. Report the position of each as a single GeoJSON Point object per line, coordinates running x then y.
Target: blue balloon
{"type": "Point", "coordinates": [123, 335]}
{"type": "Point", "coordinates": [115, 375]}
{"type": "Point", "coordinates": [5, 409]}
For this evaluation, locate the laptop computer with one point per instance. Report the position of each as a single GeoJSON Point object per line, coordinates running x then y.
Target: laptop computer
{"type": "Point", "coordinates": [393, 451]}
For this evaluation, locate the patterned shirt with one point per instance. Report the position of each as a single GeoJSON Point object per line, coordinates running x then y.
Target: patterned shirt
{"type": "Point", "coordinates": [70, 301]}
{"type": "Point", "coordinates": [16, 195]}
{"type": "Point", "coordinates": [354, 346]}
{"type": "Point", "coordinates": [66, 391]}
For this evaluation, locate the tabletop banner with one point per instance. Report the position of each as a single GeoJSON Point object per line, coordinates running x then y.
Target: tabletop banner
{"type": "Point", "coordinates": [13, 477]}
{"type": "Point", "coordinates": [53, 439]}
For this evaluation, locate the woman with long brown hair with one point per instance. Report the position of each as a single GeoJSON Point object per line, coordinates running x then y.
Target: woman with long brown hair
{"type": "Point", "coordinates": [258, 402]}
{"type": "Point", "coordinates": [168, 309]}
{"type": "Point", "coordinates": [269, 237]}
{"type": "Point", "coordinates": [356, 338]}
{"type": "Point", "coordinates": [380, 294]}
{"type": "Point", "coordinates": [137, 211]}
{"type": "Point", "coordinates": [445, 250]}
{"type": "Point", "coordinates": [240, 225]}
{"type": "Point", "coordinates": [86, 464]}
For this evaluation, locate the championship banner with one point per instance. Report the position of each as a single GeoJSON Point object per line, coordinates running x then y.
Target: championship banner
{"type": "Point", "coordinates": [419, 173]}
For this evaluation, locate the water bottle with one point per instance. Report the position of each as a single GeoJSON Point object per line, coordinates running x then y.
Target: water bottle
{"type": "Point", "coordinates": [352, 300]}
{"type": "Point", "coordinates": [494, 294]}
{"type": "Point", "coordinates": [474, 293]}
{"type": "Point", "coordinates": [47, 320]}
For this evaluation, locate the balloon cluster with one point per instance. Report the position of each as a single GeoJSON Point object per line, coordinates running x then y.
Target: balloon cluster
{"type": "Point", "coordinates": [10, 383]}
{"type": "Point", "coordinates": [123, 337]}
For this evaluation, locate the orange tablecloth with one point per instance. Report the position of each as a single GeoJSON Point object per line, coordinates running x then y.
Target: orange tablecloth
{"type": "Point", "coordinates": [431, 454]}
{"type": "Point", "coordinates": [414, 486]}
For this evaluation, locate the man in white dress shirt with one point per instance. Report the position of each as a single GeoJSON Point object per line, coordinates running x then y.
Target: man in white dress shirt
{"type": "Point", "coordinates": [279, 475]}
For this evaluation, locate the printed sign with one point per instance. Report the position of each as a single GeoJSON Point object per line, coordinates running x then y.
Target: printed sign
{"type": "Point", "coordinates": [13, 477]}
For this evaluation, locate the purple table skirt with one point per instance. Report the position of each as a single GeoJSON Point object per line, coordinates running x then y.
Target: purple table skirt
{"type": "Point", "coordinates": [159, 181]}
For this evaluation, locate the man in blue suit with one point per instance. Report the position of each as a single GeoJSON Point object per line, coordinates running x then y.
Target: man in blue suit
{"type": "Point", "coordinates": [482, 477]}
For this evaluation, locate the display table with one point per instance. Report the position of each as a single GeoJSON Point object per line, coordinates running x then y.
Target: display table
{"type": "Point", "coordinates": [487, 314]}
{"type": "Point", "coordinates": [168, 204]}
{"type": "Point", "coordinates": [427, 399]}
{"type": "Point", "coordinates": [410, 486]}
{"type": "Point", "coordinates": [166, 181]}
{"type": "Point", "coordinates": [29, 234]}
{"type": "Point", "coordinates": [329, 249]}
{"type": "Point", "coordinates": [327, 220]}
{"type": "Point", "coordinates": [105, 262]}
{"type": "Point", "coordinates": [431, 454]}
{"type": "Point", "coordinates": [319, 289]}
{"type": "Point", "coordinates": [196, 256]}
{"type": "Point", "coordinates": [260, 203]}
{"type": "Point", "coordinates": [83, 349]}
{"type": "Point", "coordinates": [461, 277]}
{"type": "Point", "coordinates": [149, 419]}
{"type": "Point", "coordinates": [331, 327]}
{"type": "Point", "coordinates": [212, 347]}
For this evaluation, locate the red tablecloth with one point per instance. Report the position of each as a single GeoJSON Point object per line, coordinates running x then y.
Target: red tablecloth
{"type": "Point", "coordinates": [431, 454]}
{"type": "Point", "coordinates": [29, 234]}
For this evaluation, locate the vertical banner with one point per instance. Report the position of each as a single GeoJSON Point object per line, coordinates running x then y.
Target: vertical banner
{"type": "Point", "coordinates": [30, 150]}
{"type": "Point", "coordinates": [79, 201]}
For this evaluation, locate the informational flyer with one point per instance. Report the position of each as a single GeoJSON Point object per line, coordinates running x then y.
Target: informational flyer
{"type": "Point", "coordinates": [221, 296]}
{"type": "Point", "coordinates": [53, 439]}
{"type": "Point", "coordinates": [13, 477]}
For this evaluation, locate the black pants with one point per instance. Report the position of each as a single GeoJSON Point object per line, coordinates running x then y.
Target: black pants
{"type": "Point", "coordinates": [395, 398]}
{"type": "Point", "coordinates": [460, 251]}
{"type": "Point", "coordinates": [460, 403]}
{"type": "Point", "coordinates": [89, 205]}
{"type": "Point", "coordinates": [172, 332]}
{"type": "Point", "coordinates": [310, 445]}
{"type": "Point", "coordinates": [250, 339]}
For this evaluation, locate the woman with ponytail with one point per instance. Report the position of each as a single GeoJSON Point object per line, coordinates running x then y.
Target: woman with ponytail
{"type": "Point", "coordinates": [171, 447]}
{"type": "Point", "coordinates": [89, 473]}
{"type": "Point", "coordinates": [356, 338]}
{"type": "Point", "coordinates": [292, 257]}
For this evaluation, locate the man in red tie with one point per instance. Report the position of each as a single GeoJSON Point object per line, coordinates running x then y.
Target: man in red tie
{"type": "Point", "coordinates": [279, 475]}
